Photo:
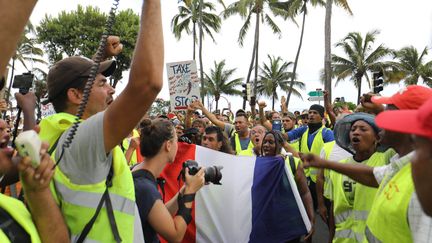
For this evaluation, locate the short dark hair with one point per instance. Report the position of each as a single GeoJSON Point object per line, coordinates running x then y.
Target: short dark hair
{"type": "Point", "coordinates": [242, 114]}
{"type": "Point", "coordinates": [153, 134]}
{"type": "Point", "coordinates": [60, 102]}
{"type": "Point", "coordinates": [215, 130]}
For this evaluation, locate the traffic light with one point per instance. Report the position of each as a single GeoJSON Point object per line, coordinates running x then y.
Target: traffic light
{"type": "Point", "coordinates": [246, 91]}
{"type": "Point", "coordinates": [378, 82]}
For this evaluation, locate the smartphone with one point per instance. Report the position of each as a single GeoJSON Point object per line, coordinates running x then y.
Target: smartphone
{"type": "Point", "coordinates": [277, 125]}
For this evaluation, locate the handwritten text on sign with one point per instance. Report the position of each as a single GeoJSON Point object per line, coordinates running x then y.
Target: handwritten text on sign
{"type": "Point", "coordinates": [183, 84]}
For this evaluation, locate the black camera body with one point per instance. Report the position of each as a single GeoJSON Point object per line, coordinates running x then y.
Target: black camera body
{"type": "Point", "coordinates": [23, 82]}
{"type": "Point", "coordinates": [212, 174]}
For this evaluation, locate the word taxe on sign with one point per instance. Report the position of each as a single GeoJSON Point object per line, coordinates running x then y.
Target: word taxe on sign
{"type": "Point", "coordinates": [184, 84]}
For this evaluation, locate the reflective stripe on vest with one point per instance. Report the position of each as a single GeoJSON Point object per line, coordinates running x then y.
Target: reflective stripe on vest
{"type": "Point", "coordinates": [328, 148]}
{"type": "Point", "coordinates": [316, 147]}
{"type": "Point", "coordinates": [347, 234]}
{"type": "Point", "coordinates": [357, 215]}
{"type": "Point", "coordinates": [90, 199]}
{"type": "Point", "coordinates": [78, 203]}
{"type": "Point", "coordinates": [388, 219]}
{"type": "Point", "coordinates": [21, 215]}
{"type": "Point", "coordinates": [238, 147]}
{"type": "Point", "coordinates": [356, 212]}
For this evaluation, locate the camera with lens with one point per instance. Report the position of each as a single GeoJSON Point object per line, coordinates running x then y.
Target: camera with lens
{"type": "Point", "coordinates": [212, 174]}
{"type": "Point", "coordinates": [23, 82]}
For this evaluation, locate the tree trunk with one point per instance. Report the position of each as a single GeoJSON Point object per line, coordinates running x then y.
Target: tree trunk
{"type": "Point", "coordinates": [252, 62]}
{"type": "Point", "coordinates": [254, 86]}
{"type": "Point", "coordinates": [273, 100]}
{"type": "Point", "coordinates": [297, 56]}
{"type": "Point", "coordinates": [194, 40]}
{"type": "Point", "coordinates": [10, 87]}
{"type": "Point", "coordinates": [327, 51]}
{"type": "Point", "coordinates": [359, 83]}
{"type": "Point", "coordinates": [200, 50]}
{"type": "Point", "coordinates": [217, 104]}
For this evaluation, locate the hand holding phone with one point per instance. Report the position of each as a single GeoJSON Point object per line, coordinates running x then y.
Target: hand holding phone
{"type": "Point", "coordinates": [277, 125]}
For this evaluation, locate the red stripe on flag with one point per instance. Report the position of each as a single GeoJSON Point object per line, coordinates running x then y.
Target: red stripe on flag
{"type": "Point", "coordinates": [172, 186]}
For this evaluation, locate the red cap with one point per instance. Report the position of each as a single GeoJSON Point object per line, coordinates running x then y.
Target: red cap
{"type": "Point", "coordinates": [408, 98]}
{"type": "Point", "coordinates": [171, 115]}
{"type": "Point", "coordinates": [416, 122]}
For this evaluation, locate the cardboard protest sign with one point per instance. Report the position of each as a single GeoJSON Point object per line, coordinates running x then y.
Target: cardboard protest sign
{"type": "Point", "coordinates": [184, 84]}
{"type": "Point", "coordinates": [47, 110]}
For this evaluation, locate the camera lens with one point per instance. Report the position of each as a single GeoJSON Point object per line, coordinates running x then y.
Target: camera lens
{"type": "Point", "coordinates": [213, 174]}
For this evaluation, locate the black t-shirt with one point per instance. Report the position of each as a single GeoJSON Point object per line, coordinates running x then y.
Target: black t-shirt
{"type": "Point", "coordinates": [146, 194]}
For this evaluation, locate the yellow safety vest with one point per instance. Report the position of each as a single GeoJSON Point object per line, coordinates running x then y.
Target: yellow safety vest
{"type": "Point", "coordinates": [350, 213]}
{"type": "Point", "coordinates": [316, 147]}
{"type": "Point", "coordinates": [238, 147]}
{"type": "Point", "coordinates": [296, 164]}
{"type": "Point", "coordinates": [388, 218]}
{"type": "Point", "coordinates": [248, 152]}
{"type": "Point", "coordinates": [78, 203]}
{"type": "Point", "coordinates": [125, 146]}
{"type": "Point", "coordinates": [21, 215]}
{"type": "Point", "coordinates": [328, 148]}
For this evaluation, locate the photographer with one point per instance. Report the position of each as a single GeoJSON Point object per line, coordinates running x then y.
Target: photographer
{"type": "Point", "coordinates": [159, 147]}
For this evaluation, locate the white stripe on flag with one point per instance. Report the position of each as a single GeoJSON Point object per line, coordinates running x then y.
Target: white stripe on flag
{"type": "Point", "coordinates": [298, 198]}
{"type": "Point", "coordinates": [223, 212]}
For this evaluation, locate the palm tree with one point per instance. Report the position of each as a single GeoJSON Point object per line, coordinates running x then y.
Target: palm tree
{"type": "Point", "coordinates": [360, 58]}
{"type": "Point", "coordinates": [263, 11]}
{"type": "Point", "coordinates": [327, 41]}
{"type": "Point", "coordinates": [275, 75]}
{"type": "Point", "coordinates": [295, 7]}
{"type": "Point", "coordinates": [188, 18]}
{"type": "Point", "coordinates": [219, 82]}
{"type": "Point", "coordinates": [25, 52]}
{"type": "Point", "coordinates": [410, 66]}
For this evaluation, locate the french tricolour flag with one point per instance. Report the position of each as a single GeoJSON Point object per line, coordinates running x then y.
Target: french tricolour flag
{"type": "Point", "coordinates": [258, 200]}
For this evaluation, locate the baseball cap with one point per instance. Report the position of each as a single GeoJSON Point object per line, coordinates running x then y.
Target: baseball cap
{"type": "Point", "coordinates": [416, 122]}
{"type": "Point", "coordinates": [71, 69]}
{"type": "Point", "coordinates": [408, 98]}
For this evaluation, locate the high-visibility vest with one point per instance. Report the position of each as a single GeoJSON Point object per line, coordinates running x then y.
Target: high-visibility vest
{"type": "Point", "coordinates": [78, 203]}
{"type": "Point", "coordinates": [388, 218]}
{"type": "Point", "coordinates": [248, 152]}
{"type": "Point", "coordinates": [21, 215]}
{"type": "Point", "coordinates": [292, 168]}
{"type": "Point", "coordinates": [135, 158]}
{"type": "Point", "coordinates": [350, 214]}
{"type": "Point", "coordinates": [328, 148]}
{"type": "Point", "coordinates": [238, 147]}
{"type": "Point", "coordinates": [316, 147]}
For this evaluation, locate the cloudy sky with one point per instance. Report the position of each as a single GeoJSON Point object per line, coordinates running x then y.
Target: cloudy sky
{"type": "Point", "coordinates": [401, 23]}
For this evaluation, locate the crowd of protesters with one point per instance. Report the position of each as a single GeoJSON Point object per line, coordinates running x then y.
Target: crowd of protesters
{"type": "Point", "coordinates": [365, 173]}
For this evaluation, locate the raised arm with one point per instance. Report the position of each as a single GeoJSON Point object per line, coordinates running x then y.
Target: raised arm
{"type": "Point", "coordinates": [14, 15]}
{"type": "Point", "coordinates": [145, 80]}
{"type": "Point", "coordinates": [358, 172]}
{"type": "Point", "coordinates": [263, 119]}
{"type": "Point", "coordinates": [198, 105]}
{"type": "Point", "coordinates": [329, 108]}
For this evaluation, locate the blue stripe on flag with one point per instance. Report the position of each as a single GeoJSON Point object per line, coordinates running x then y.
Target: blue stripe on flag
{"type": "Point", "coordinates": [275, 214]}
